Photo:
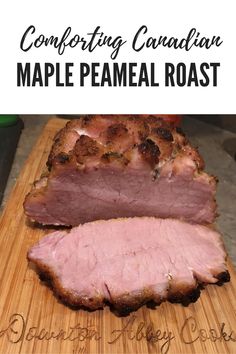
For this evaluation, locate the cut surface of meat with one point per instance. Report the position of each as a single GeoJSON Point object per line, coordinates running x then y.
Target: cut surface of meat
{"type": "Point", "coordinates": [129, 262]}
{"type": "Point", "coordinates": [103, 167]}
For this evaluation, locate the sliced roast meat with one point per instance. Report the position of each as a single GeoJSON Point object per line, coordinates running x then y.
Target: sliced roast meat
{"type": "Point", "coordinates": [103, 167]}
{"type": "Point", "coordinates": [129, 262]}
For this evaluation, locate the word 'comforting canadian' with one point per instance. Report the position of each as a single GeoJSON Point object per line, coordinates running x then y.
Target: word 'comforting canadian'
{"type": "Point", "coordinates": [142, 39]}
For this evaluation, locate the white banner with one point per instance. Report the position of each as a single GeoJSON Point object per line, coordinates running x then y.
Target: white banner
{"type": "Point", "coordinates": [117, 57]}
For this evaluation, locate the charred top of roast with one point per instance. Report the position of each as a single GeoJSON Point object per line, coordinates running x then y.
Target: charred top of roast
{"type": "Point", "coordinates": [121, 139]}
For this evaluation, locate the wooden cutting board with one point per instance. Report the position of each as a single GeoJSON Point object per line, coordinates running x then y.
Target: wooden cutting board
{"type": "Point", "coordinates": [33, 321]}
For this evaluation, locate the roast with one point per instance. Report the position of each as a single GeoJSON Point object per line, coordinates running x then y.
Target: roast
{"type": "Point", "coordinates": [103, 167]}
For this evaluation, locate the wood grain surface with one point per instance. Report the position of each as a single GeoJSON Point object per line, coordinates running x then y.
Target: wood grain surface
{"type": "Point", "coordinates": [33, 321]}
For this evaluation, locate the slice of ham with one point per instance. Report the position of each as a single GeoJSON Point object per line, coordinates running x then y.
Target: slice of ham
{"type": "Point", "coordinates": [103, 167]}
{"type": "Point", "coordinates": [130, 262]}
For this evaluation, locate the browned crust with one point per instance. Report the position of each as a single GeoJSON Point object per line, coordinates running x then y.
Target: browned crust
{"type": "Point", "coordinates": [123, 305]}
{"type": "Point", "coordinates": [85, 147]}
{"type": "Point", "coordinates": [149, 151]}
{"type": "Point", "coordinates": [157, 140]}
{"type": "Point", "coordinates": [164, 133]}
{"type": "Point", "coordinates": [114, 128]}
{"type": "Point", "coordinates": [110, 156]}
{"type": "Point", "coordinates": [115, 131]}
